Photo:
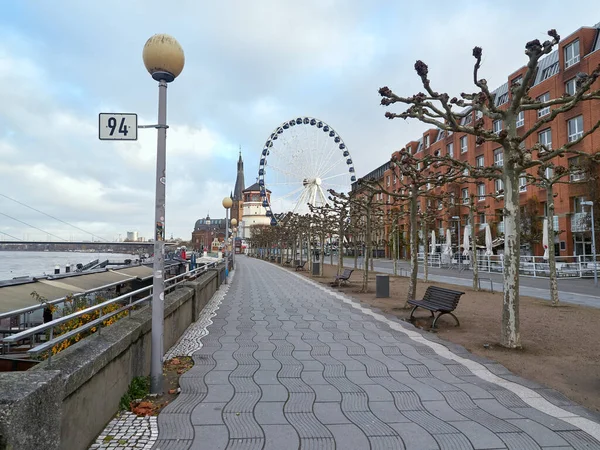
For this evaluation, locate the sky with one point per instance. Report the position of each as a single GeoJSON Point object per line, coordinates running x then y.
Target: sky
{"type": "Point", "coordinates": [249, 66]}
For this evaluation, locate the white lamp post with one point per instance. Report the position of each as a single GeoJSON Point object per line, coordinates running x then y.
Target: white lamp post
{"type": "Point", "coordinates": [591, 205]}
{"type": "Point", "coordinates": [227, 204]}
{"type": "Point", "coordinates": [164, 60]}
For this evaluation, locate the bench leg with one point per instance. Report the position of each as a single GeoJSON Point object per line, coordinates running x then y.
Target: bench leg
{"type": "Point", "coordinates": [441, 314]}
{"type": "Point", "coordinates": [413, 311]}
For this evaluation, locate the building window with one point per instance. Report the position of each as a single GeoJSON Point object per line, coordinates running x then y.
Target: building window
{"type": "Point", "coordinates": [395, 178]}
{"type": "Point", "coordinates": [575, 128]}
{"type": "Point", "coordinates": [522, 184]}
{"type": "Point", "coordinates": [409, 149]}
{"type": "Point", "coordinates": [544, 98]}
{"type": "Point", "coordinates": [503, 99]}
{"type": "Point", "coordinates": [450, 150]}
{"type": "Point", "coordinates": [550, 71]}
{"type": "Point", "coordinates": [463, 144]}
{"type": "Point", "coordinates": [545, 138]}
{"type": "Point", "coordinates": [478, 115]}
{"type": "Point", "coordinates": [482, 218]}
{"type": "Point", "coordinates": [571, 86]}
{"type": "Point", "coordinates": [497, 126]}
{"type": "Point", "coordinates": [572, 53]}
{"type": "Point", "coordinates": [521, 119]}
{"type": "Point", "coordinates": [426, 141]}
{"type": "Point", "coordinates": [464, 193]}
{"type": "Point", "coordinates": [440, 204]}
{"type": "Point", "coordinates": [499, 186]}
{"type": "Point", "coordinates": [499, 157]}
{"type": "Point", "coordinates": [480, 162]}
{"type": "Point", "coordinates": [576, 173]}
{"type": "Point", "coordinates": [419, 165]}
{"type": "Point", "coordinates": [388, 180]}
{"type": "Point", "coordinates": [481, 192]}
{"type": "Point", "coordinates": [549, 173]}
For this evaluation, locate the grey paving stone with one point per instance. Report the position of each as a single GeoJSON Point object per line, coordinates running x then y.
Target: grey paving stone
{"type": "Point", "coordinates": [377, 393]}
{"type": "Point", "coordinates": [387, 412]}
{"type": "Point", "coordinates": [219, 393]}
{"type": "Point", "coordinates": [520, 441]}
{"type": "Point", "coordinates": [265, 376]}
{"type": "Point", "coordinates": [208, 414]}
{"type": "Point", "coordinates": [327, 393]}
{"type": "Point", "coordinates": [541, 434]}
{"type": "Point", "coordinates": [214, 437]}
{"type": "Point", "coordinates": [496, 409]}
{"type": "Point", "coordinates": [313, 378]}
{"type": "Point", "coordinates": [453, 441]}
{"type": "Point", "coordinates": [415, 437]}
{"type": "Point", "coordinates": [544, 419]}
{"type": "Point", "coordinates": [270, 413]}
{"type": "Point", "coordinates": [217, 377]}
{"type": "Point", "coordinates": [479, 436]}
{"type": "Point", "coordinates": [278, 437]}
{"type": "Point", "coordinates": [442, 410]}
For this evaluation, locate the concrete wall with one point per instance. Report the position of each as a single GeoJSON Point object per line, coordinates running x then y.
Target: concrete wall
{"type": "Point", "coordinates": [66, 403]}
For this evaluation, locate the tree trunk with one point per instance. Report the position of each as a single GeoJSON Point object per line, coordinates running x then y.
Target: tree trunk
{"type": "Point", "coordinates": [367, 254]}
{"type": "Point", "coordinates": [414, 247]}
{"type": "Point", "coordinates": [355, 255]}
{"type": "Point", "coordinates": [551, 255]}
{"type": "Point", "coordinates": [309, 257]}
{"type": "Point", "coordinates": [322, 255]}
{"type": "Point", "coordinates": [395, 250]}
{"type": "Point", "coordinates": [474, 247]}
{"type": "Point", "coordinates": [340, 245]}
{"type": "Point", "coordinates": [510, 335]}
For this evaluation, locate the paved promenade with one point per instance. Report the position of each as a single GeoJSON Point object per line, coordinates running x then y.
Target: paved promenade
{"type": "Point", "coordinates": [289, 364]}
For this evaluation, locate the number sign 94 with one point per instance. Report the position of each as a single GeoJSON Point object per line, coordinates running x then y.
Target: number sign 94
{"type": "Point", "coordinates": [119, 127]}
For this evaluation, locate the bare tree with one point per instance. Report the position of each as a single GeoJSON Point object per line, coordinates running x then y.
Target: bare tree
{"type": "Point", "coordinates": [436, 109]}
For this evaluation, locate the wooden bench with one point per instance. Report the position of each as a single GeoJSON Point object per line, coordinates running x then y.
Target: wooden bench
{"type": "Point", "coordinates": [343, 278]}
{"type": "Point", "coordinates": [301, 266]}
{"type": "Point", "coordinates": [440, 300]}
{"type": "Point", "coordinates": [288, 262]}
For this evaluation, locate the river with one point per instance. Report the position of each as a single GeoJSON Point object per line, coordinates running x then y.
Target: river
{"type": "Point", "coordinates": [18, 264]}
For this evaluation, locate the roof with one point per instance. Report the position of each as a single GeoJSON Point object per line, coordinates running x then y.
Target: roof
{"type": "Point", "coordinates": [254, 188]}
{"type": "Point", "coordinates": [18, 295]}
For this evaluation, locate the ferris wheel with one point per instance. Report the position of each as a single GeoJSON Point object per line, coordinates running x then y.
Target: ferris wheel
{"type": "Point", "coordinates": [301, 160]}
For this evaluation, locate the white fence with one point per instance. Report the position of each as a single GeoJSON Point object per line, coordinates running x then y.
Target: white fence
{"type": "Point", "coordinates": [581, 266]}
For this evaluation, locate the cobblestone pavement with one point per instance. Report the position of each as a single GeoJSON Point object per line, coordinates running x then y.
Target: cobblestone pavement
{"type": "Point", "coordinates": [290, 364]}
{"type": "Point", "coordinates": [128, 431]}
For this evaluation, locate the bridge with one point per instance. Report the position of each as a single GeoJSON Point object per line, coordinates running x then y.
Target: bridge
{"type": "Point", "coordinates": [62, 246]}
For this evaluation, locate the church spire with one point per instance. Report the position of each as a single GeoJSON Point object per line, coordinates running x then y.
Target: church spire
{"type": "Point", "coordinates": [239, 181]}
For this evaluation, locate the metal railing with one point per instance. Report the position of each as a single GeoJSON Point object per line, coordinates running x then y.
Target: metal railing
{"type": "Point", "coordinates": [31, 333]}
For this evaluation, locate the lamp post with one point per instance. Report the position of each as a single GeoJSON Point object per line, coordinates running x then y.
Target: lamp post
{"type": "Point", "coordinates": [234, 235]}
{"type": "Point", "coordinates": [591, 205]}
{"type": "Point", "coordinates": [164, 60]}
{"type": "Point", "coordinates": [457, 218]}
{"type": "Point", "coordinates": [227, 204]}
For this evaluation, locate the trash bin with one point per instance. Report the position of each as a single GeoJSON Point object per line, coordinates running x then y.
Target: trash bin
{"type": "Point", "coordinates": [315, 268]}
{"type": "Point", "coordinates": [382, 286]}
{"type": "Point", "coordinates": [279, 260]}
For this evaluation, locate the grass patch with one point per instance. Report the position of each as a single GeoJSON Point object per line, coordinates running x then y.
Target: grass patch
{"type": "Point", "coordinates": [139, 388]}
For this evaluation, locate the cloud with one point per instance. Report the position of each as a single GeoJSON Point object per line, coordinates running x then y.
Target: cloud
{"type": "Point", "coordinates": [249, 67]}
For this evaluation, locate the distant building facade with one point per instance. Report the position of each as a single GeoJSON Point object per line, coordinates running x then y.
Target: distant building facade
{"type": "Point", "coordinates": [205, 231]}
{"type": "Point", "coordinates": [557, 73]}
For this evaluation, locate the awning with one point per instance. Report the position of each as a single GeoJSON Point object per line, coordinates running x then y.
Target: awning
{"type": "Point", "coordinates": [18, 295]}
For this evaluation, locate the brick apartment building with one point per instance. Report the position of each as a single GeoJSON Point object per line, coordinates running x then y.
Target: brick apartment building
{"type": "Point", "coordinates": [579, 52]}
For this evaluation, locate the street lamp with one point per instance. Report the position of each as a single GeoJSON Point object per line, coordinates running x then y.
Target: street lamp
{"type": "Point", "coordinates": [164, 60]}
{"type": "Point", "coordinates": [457, 218]}
{"type": "Point", "coordinates": [234, 231]}
{"type": "Point", "coordinates": [227, 204]}
{"type": "Point", "coordinates": [591, 205]}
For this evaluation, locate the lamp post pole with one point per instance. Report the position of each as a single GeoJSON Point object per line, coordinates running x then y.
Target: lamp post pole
{"type": "Point", "coordinates": [227, 204]}
{"type": "Point", "coordinates": [591, 205]}
{"type": "Point", "coordinates": [234, 223]}
{"type": "Point", "coordinates": [164, 60]}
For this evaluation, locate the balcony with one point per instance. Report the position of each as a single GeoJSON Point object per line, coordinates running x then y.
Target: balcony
{"type": "Point", "coordinates": [580, 222]}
